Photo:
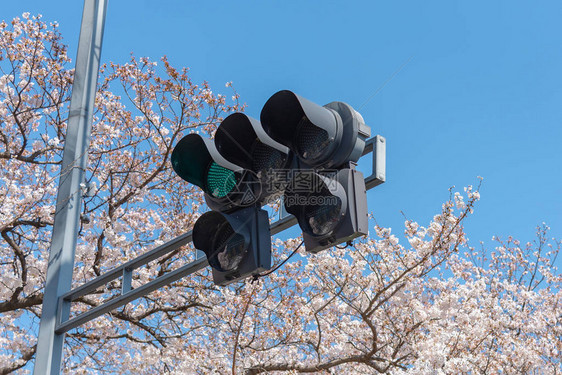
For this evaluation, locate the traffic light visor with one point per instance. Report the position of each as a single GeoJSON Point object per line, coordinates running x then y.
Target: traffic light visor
{"type": "Point", "coordinates": [222, 239]}
{"type": "Point", "coordinates": [196, 160]}
{"type": "Point", "coordinates": [310, 130]}
{"type": "Point", "coordinates": [242, 140]}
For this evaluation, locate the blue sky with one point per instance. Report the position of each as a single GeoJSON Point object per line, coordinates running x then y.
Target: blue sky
{"type": "Point", "coordinates": [481, 94]}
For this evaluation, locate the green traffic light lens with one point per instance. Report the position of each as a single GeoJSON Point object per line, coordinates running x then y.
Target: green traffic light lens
{"type": "Point", "coordinates": [220, 180]}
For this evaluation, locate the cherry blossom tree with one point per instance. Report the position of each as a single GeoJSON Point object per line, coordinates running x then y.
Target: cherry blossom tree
{"type": "Point", "coordinates": [423, 302]}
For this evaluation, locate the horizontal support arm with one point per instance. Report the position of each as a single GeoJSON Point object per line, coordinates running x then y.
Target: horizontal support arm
{"type": "Point", "coordinates": [133, 294]}
{"type": "Point", "coordinates": [139, 261]}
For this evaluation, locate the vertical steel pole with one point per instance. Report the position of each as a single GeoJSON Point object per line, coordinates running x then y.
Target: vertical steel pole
{"type": "Point", "coordinates": [65, 230]}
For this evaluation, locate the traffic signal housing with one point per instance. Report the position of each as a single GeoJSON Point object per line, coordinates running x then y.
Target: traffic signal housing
{"type": "Point", "coordinates": [235, 236]}
{"type": "Point", "coordinates": [321, 137]}
{"type": "Point", "coordinates": [331, 204]}
{"type": "Point", "coordinates": [237, 245]}
{"type": "Point", "coordinates": [332, 211]}
{"type": "Point", "coordinates": [226, 185]}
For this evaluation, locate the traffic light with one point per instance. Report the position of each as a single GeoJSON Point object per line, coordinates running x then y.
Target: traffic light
{"type": "Point", "coordinates": [326, 193]}
{"type": "Point", "coordinates": [321, 137]}
{"type": "Point", "coordinates": [241, 139]}
{"type": "Point", "coordinates": [300, 150]}
{"type": "Point", "coordinates": [235, 235]}
{"type": "Point", "coordinates": [237, 245]}
{"type": "Point", "coordinates": [332, 211]}
{"type": "Point", "coordinates": [226, 185]}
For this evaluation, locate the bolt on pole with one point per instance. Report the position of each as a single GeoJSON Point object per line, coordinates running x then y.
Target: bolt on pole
{"type": "Point", "coordinates": [67, 215]}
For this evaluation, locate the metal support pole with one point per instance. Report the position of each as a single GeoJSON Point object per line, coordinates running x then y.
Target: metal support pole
{"type": "Point", "coordinates": [67, 215]}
